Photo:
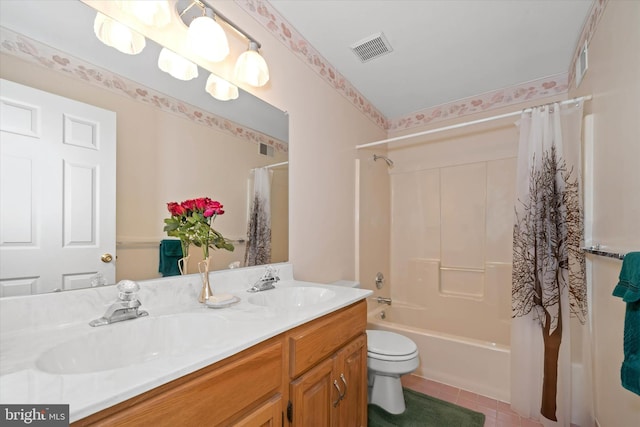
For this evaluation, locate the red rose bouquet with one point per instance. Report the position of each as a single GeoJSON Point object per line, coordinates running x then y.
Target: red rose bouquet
{"type": "Point", "coordinates": [191, 221]}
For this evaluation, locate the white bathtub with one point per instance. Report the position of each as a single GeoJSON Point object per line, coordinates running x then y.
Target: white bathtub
{"type": "Point", "coordinates": [481, 367]}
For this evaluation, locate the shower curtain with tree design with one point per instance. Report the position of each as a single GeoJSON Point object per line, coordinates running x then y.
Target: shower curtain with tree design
{"type": "Point", "coordinates": [258, 251]}
{"type": "Point", "coordinates": [548, 282]}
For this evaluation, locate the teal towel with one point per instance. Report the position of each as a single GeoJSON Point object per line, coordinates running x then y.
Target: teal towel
{"type": "Point", "coordinates": [170, 253]}
{"type": "Point", "coordinates": [628, 288]}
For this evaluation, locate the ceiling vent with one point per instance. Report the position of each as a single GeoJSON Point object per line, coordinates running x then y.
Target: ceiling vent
{"type": "Point", "coordinates": [582, 64]}
{"type": "Point", "coordinates": [371, 47]}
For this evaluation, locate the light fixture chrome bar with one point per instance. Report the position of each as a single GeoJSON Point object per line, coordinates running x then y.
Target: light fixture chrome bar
{"type": "Point", "coordinates": [205, 4]}
{"type": "Point", "coordinates": [193, 3]}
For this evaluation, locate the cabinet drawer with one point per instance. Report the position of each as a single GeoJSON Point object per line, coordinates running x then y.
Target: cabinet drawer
{"type": "Point", "coordinates": [310, 344]}
{"type": "Point", "coordinates": [211, 398]}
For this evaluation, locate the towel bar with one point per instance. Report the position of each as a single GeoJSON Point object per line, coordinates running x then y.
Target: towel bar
{"type": "Point", "coordinates": [595, 250]}
{"type": "Point", "coordinates": [141, 243]}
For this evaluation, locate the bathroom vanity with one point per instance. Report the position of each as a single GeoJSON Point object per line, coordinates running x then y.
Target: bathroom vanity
{"type": "Point", "coordinates": [314, 374]}
{"type": "Point", "coordinates": [268, 360]}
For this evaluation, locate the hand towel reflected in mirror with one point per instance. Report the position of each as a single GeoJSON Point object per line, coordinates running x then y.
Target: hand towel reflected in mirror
{"type": "Point", "coordinates": [170, 254]}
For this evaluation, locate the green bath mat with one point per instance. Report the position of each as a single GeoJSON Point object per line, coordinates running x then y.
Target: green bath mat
{"type": "Point", "coordinates": [425, 411]}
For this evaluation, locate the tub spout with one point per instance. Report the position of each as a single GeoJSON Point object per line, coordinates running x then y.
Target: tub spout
{"type": "Point", "coordinates": [383, 300]}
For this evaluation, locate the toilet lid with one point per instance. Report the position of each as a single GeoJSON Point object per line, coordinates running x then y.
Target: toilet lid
{"type": "Point", "coordinates": [389, 343]}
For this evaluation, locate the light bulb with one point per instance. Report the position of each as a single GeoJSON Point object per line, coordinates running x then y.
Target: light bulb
{"type": "Point", "coordinates": [206, 38]}
{"type": "Point", "coordinates": [251, 68]}
{"type": "Point", "coordinates": [221, 89]}
{"type": "Point", "coordinates": [117, 35]}
{"type": "Point", "coordinates": [174, 64]}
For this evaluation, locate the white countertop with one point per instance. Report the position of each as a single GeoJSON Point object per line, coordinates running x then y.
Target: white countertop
{"type": "Point", "coordinates": [31, 326]}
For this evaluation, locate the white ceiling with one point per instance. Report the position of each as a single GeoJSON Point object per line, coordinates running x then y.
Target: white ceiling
{"type": "Point", "coordinates": [443, 50]}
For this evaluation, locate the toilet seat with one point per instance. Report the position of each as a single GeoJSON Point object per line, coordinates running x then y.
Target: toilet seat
{"type": "Point", "coordinates": [389, 346]}
{"type": "Point", "coordinates": [389, 356]}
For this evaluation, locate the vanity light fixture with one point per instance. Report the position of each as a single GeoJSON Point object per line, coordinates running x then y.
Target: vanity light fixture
{"type": "Point", "coordinates": [205, 37]}
{"type": "Point", "coordinates": [221, 89]}
{"type": "Point", "coordinates": [174, 64]}
{"type": "Point", "coordinates": [117, 35]}
{"type": "Point", "coordinates": [251, 68]}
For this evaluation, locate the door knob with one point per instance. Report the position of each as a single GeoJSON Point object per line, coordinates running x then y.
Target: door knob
{"type": "Point", "coordinates": [106, 257]}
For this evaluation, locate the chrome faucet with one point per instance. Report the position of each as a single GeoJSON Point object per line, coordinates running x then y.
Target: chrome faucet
{"type": "Point", "coordinates": [266, 281]}
{"type": "Point", "coordinates": [126, 307]}
{"type": "Point", "coordinates": [383, 300]}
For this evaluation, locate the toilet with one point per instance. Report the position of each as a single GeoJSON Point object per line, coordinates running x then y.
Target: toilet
{"type": "Point", "coordinates": [389, 356]}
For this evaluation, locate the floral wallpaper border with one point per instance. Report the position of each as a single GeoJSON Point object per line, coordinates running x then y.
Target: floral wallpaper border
{"type": "Point", "coordinates": [33, 51]}
{"type": "Point", "coordinates": [536, 89]}
{"type": "Point", "coordinates": [266, 15]}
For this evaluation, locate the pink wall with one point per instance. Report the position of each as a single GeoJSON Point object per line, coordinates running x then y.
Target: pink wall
{"type": "Point", "coordinates": [613, 78]}
{"type": "Point", "coordinates": [324, 127]}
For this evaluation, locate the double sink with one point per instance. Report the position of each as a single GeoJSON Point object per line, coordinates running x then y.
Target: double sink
{"type": "Point", "coordinates": [140, 340]}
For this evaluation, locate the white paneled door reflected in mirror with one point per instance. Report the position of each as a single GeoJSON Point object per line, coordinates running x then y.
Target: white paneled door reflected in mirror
{"type": "Point", "coordinates": [171, 141]}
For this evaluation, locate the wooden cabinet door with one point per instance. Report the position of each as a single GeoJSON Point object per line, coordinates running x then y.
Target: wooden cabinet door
{"type": "Point", "coordinates": [267, 415]}
{"type": "Point", "coordinates": [316, 395]}
{"type": "Point", "coordinates": [351, 372]}
{"type": "Point", "coordinates": [313, 396]}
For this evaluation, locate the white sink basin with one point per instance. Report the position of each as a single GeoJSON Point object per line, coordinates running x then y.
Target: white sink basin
{"type": "Point", "coordinates": [294, 297]}
{"type": "Point", "coordinates": [134, 341]}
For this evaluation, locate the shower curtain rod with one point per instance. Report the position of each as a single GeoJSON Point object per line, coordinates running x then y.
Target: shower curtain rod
{"type": "Point", "coordinates": [465, 124]}
{"type": "Point", "coordinates": [276, 165]}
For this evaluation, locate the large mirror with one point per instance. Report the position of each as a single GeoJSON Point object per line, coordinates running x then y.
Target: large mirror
{"type": "Point", "coordinates": [174, 141]}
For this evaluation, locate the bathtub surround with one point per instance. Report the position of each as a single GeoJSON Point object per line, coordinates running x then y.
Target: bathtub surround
{"type": "Point", "coordinates": [448, 266]}
{"type": "Point", "coordinates": [549, 282]}
{"type": "Point", "coordinates": [450, 234]}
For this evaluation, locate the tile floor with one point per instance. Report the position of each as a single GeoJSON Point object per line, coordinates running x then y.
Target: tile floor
{"type": "Point", "coordinates": [497, 414]}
